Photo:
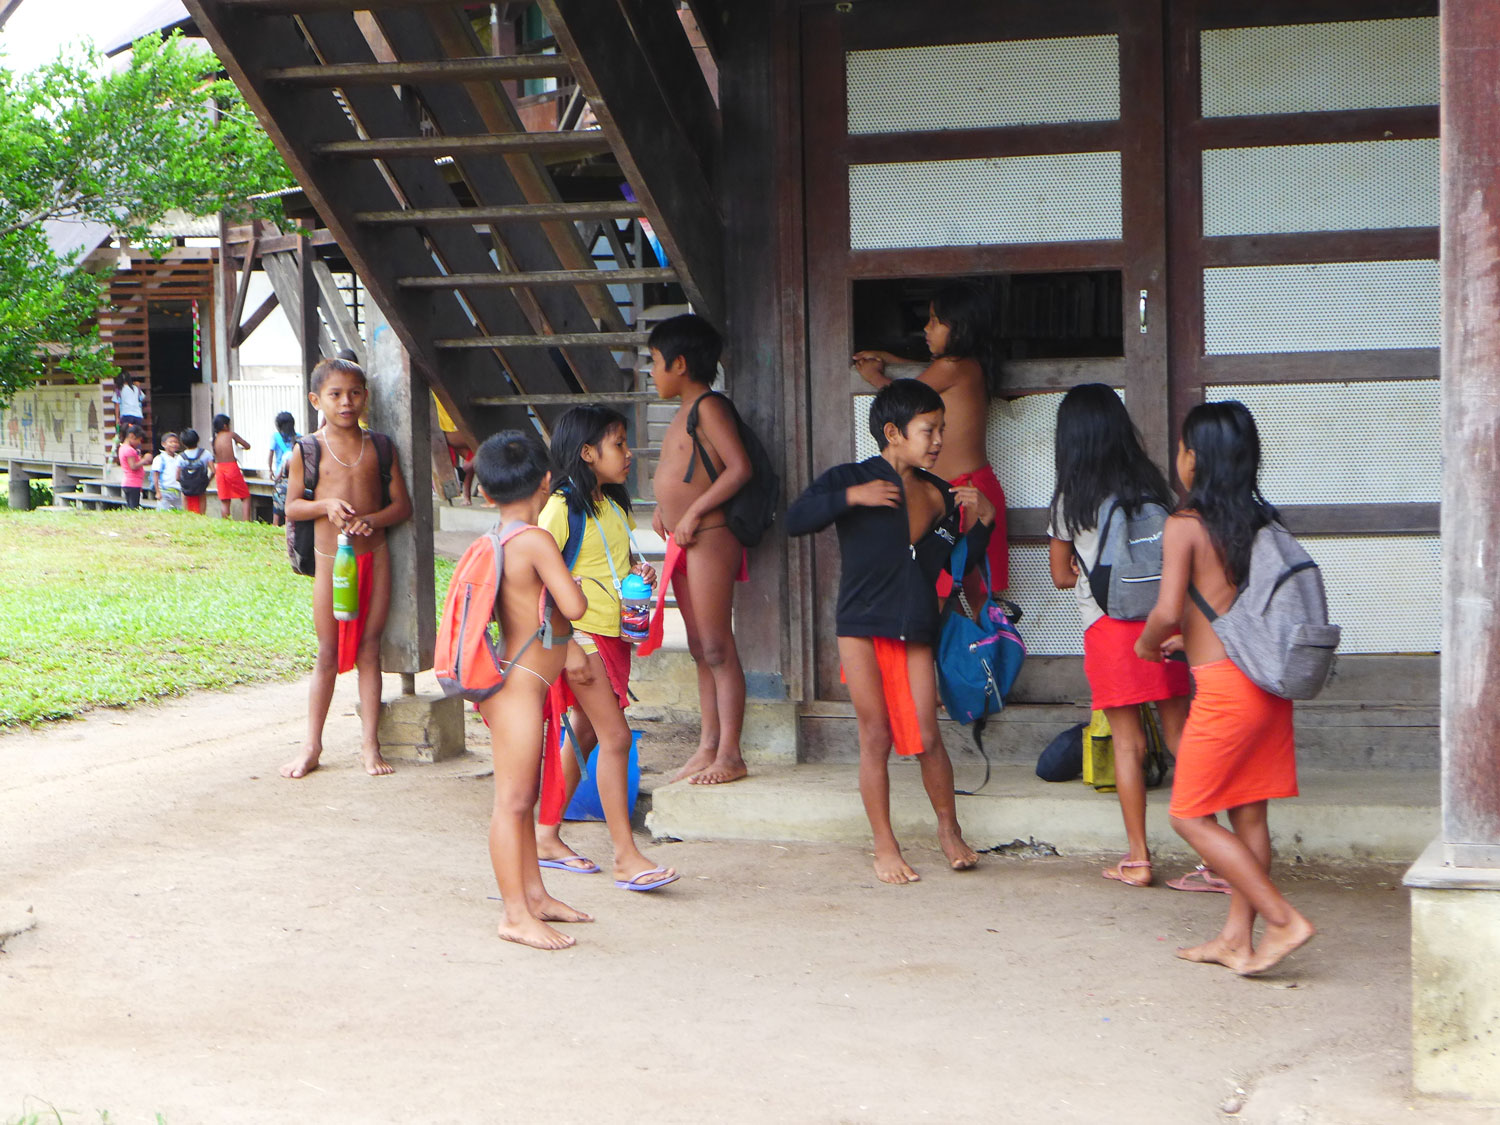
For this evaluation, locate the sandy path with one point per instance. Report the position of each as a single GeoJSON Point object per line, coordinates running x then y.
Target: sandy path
{"type": "Point", "coordinates": [219, 945]}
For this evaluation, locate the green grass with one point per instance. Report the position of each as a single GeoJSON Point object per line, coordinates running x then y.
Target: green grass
{"type": "Point", "coordinates": [110, 608]}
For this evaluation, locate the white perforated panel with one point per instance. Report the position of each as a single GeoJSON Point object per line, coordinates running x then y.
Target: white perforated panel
{"type": "Point", "coordinates": [984, 85]}
{"type": "Point", "coordinates": [1359, 185]}
{"type": "Point", "coordinates": [1346, 443]}
{"type": "Point", "coordinates": [1060, 197]}
{"type": "Point", "coordinates": [1318, 67]}
{"type": "Point", "coordinates": [1050, 624]}
{"type": "Point", "coordinates": [1323, 307]}
{"type": "Point", "coordinates": [1384, 591]}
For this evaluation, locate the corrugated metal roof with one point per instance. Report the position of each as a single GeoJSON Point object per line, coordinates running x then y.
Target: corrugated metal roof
{"type": "Point", "coordinates": [164, 15]}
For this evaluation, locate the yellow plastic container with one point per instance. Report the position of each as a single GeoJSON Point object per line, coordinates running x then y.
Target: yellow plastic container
{"type": "Point", "coordinates": [1099, 754]}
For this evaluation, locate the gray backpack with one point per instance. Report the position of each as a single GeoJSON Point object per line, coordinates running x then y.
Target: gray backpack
{"type": "Point", "coordinates": [1126, 577]}
{"type": "Point", "coordinates": [1277, 630]}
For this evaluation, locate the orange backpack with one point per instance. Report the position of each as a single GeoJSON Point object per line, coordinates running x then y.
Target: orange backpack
{"type": "Point", "coordinates": [470, 655]}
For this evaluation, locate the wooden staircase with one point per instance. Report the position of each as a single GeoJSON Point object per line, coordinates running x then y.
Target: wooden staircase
{"type": "Point", "coordinates": [398, 125]}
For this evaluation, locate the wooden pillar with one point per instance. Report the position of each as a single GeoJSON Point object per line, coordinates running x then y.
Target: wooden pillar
{"type": "Point", "coordinates": [1471, 432]}
{"type": "Point", "coordinates": [305, 318]}
{"type": "Point", "coordinates": [400, 405]}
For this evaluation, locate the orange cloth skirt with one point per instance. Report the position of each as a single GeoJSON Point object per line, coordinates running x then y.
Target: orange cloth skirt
{"type": "Point", "coordinates": [1237, 748]}
{"type": "Point", "coordinates": [895, 687]}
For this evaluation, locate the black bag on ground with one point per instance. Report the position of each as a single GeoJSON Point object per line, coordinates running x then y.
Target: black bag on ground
{"type": "Point", "coordinates": [1063, 758]}
{"type": "Point", "coordinates": [752, 510]}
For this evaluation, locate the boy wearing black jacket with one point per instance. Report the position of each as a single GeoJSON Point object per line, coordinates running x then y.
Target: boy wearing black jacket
{"type": "Point", "coordinates": [897, 525]}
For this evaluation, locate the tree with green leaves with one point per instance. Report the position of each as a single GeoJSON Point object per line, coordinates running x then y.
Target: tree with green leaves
{"type": "Point", "coordinates": [81, 145]}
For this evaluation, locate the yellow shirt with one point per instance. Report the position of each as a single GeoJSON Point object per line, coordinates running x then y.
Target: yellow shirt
{"type": "Point", "coordinates": [603, 614]}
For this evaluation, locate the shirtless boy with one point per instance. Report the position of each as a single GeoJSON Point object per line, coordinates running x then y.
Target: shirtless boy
{"type": "Point", "coordinates": [898, 527]}
{"type": "Point", "coordinates": [958, 337]}
{"type": "Point", "coordinates": [512, 472]}
{"type": "Point", "coordinates": [703, 556]}
{"type": "Point", "coordinates": [351, 498]}
{"type": "Point", "coordinates": [227, 472]}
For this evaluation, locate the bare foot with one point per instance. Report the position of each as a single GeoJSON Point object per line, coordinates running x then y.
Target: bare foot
{"type": "Point", "coordinates": [535, 933]}
{"type": "Point", "coordinates": [894, 869]}
{"type": "Point", "coordinates": [961, 857]}
{"type": "Point", "coordinates": [549, 909]}
{"type": "Point", "coordinates": [1276, 942]}
{"type": "Point", "coordinates": [702, 758]}
{"type": "Point", "coordinates": [303, 764]}
{"type": "Point", "coordinates": [721, 773]}
{"type": "Point", "coordinates": [1217, 952]}
{"type": "Point", "coordinates": [375, 765]}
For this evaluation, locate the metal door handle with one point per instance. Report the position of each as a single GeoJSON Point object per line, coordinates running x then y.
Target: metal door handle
{"type": "Point", "coordinates": [1143, 312]}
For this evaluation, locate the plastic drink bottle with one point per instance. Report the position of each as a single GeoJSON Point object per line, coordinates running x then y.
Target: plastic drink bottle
{"type": "Point", "coordinates": [635, 608]}
{"type": "Point", "coordinates": [345, 582]}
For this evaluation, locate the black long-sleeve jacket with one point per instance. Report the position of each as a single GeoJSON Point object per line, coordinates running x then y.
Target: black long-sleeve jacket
{"type": "Point", "coordinates": [886, 582]}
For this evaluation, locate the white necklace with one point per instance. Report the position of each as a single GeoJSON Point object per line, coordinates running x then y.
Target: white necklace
{"type": "Point", "coordinates": [363, 437]}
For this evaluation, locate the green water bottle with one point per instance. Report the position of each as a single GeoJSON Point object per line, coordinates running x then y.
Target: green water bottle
{"type": "Point", "coordinates": [345, 583]}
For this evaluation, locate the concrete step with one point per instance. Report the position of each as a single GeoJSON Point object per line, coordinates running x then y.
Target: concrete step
{"type": "Point", "coordinates": [1385, 816]}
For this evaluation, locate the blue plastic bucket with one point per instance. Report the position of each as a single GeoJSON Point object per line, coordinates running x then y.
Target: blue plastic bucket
{"type": "Point", "coordinates": [585, 804]}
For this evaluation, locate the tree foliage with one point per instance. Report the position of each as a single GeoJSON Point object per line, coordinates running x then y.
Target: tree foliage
{"type": "Point", "coordinates": [78, 144]}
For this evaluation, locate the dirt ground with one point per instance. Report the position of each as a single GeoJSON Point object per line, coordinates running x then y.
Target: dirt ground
{"type": "Point", "coordinates": [215, 944]}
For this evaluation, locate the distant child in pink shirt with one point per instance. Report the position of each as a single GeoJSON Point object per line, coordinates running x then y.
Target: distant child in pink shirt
{"type": "Point", "coordinates": [134, 465]}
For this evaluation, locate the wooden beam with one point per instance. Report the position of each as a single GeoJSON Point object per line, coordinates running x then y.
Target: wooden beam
{"type": "Point", "coordinates": [1400, 244]}
{"type": "Point", "coordinates": [292, 7]}
{"type": "Point", "coordinates": [483, 68]}
{"type": "Point", "coordinates": [618, 341]}
{"type": "Point", "coordinates": [512, 213]}
{"type": "Point", "coordinates": [336, 312]}
{"type": "Point", "coordinates": [658, 159]}
{"type": "Point", "coordinates": [257, 318]}
{"type": "Point", "coordinates": [664, 44]}
{"type": "Point", "coordinates": [566, 400]}
{"type": "Point", "coordinates": [713, 24]}
{"type": "Point", "coordinates": [243, 289]}
{"type": "Point", "coordinates": [1321, 367]}
{"type": "Point", "coordinates": [586, 142]}
{"type": "Point", "coordinates": [536, 278]}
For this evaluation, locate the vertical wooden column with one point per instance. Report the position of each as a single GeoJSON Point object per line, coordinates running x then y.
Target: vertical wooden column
{"type": "Point", "coordinates": [400, 405]}
{"type": "Point", "coordinates": [1471, 432]}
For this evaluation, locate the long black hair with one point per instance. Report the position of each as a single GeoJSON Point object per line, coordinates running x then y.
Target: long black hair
{"type": "Point", "coordinates": [1098, 455]}
{"type": "Point", "coordinates": [968, 310]}
{"type": "Point", "coordinates": [574, 477]}
{"type": "Point", "coordinates": [1226, 488]}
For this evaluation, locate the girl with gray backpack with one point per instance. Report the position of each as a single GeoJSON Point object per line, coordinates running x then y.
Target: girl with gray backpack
{"type": "Point", "coordinates": [1254, 627]}
{"type": "Point", "coordinates": [1108, 510]}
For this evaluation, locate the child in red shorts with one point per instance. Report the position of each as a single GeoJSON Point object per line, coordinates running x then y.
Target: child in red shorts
{"type": "Point", "coordinates": [227, 472]}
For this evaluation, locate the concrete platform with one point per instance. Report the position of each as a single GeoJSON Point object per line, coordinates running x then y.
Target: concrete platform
{"type": "Point", "coordinates": [1386, 816]}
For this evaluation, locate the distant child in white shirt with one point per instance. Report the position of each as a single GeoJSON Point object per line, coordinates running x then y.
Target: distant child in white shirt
{"type": "Point", "coordinates": [164, 475]}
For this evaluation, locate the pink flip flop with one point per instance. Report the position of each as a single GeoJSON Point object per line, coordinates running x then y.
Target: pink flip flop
{"type": "Point", "coordinates": [1117, 872]}
{"type": "Point", "coordinates": [1200, 879]}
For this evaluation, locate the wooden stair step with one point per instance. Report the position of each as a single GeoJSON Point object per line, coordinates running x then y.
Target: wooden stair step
{"type": "Point", "coordinates": [513, 213]}
{"type": "Point", "coordinates": [480, 68]}
{"type": "Point", "coordinates": [615, 340]}
{"type": "Point", "coordinates": [564, 400]}
{"type": "Point", "coordinates": [297, 7]}
{"type": "Point", "coordinates": [584, 142]}
{"type": "Point", "coordinates": [537, 277]}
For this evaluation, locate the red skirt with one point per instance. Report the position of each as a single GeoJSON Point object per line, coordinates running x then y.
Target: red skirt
{"type": "Point", "coordinates": [1117, 676]}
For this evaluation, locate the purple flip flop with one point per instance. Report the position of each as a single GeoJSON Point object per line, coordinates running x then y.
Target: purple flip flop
{"type": "Point", "coordinates": [636, 885]}
{"type": "Point", "coordinates": [563, 864]}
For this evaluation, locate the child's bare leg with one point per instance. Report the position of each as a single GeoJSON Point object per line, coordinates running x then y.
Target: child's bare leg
{"type": "Point", "coordinates": [937, 767]}
{"type": "Point", "coordinates": [549, 841]}
{"type": "Point", "coordinates": [1234, 860]}
{"type": "Point", "coordinates": [1129, 739]}
{"type": "Point", "coordinates": [325, 672]}
{"type": "Point", "coordinates": [367, 663]}
{"type": "Point", "coordinates": [712, 563]}
{"type": "Point", "coordinates": [708, 699]}
{"type": "Point", "coordinates": [867, 693]}
{"type": "Point", "coordinates": [515, 719]}
{"type": "Point", "coordinates": [225, 507]}
{"type": "Point", "coordinates": [596, 698]}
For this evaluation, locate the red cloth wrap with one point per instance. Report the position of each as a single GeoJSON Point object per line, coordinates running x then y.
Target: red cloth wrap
{"type": "Point", "coordinates": [350, 632]}
{"type": "Point", "coordinates": [895, 687]}
{"type": "Point", "coordinates": [230, 482]}
{"type": "Point", "coordinates": [1117, 676]}
{"type": "Point", "coordinates": [554, 787]}
{"type": "Point", "coordinates": [998, 551]}
{"type": "Point", "coordinates": [676, 560]}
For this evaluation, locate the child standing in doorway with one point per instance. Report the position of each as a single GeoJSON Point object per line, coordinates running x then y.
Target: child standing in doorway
{"type": "Point", "coordinates": [590, 464]}
{"type": "Point", "coordinates": [1100, 463]}
{"type": "Point", "coordinates": [232, 484]}
{"type": "Point", "coordinates": [704, 559]}
{"type": "Point", "coordinates": [959, 334]}
{"type": "Point", "coordinates": [512, 470]}
{"type": "Point", "coordinates": [353, 498]}
{"type": "Point", "coordinates": [282, 443]}
{"type": "Point", "coordinates": [898, 525]}
{"type": "Point", "coordinates": [1238, 750]}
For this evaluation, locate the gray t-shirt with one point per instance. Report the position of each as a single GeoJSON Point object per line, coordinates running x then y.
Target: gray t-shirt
{"type": "Point", "coordinates": [1086, 543]}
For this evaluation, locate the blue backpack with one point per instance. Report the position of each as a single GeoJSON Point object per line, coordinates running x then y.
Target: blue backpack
{"type": "Point", "coordinates": [977, 661]}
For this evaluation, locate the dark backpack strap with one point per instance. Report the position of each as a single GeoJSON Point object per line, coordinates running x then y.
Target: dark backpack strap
{"type": "Point", "coordinates": [1203, 606]}
{"type": "Point", "coordinates": [311, 452]}
{"type": "Point", "coordinates": [385, 455]}
{"type": "Point", "coordinates": [698, 450]}
{"type": "Point", "coordinates": [574, 543]}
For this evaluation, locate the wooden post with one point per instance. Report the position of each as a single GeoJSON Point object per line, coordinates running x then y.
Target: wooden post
{"type": "Point", "coordinates": [306, 320]}
{"type": "Point", "coordinates": [400, 405]}
{"type": "Point", "coordinates": [1471, 432]}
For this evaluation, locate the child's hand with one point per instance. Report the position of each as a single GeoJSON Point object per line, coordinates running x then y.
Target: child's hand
{"type": "Point", "coordinates": [686, 530]}
{"type": "Point", "coordinates": [872, 361]}
{"type": "Point", "coordinates": [357, 525]}
{"type": "Point", "coordinates": [1151, 653]}
{"type": "Point", "coordinates": [646, 571]}
{"type": "Point", "coordinates": [976, 503]}
{"type": "Point", "coordinates": [873, 494]}
{"type": "Point", "coordinates": [338, 512]}
{"type": "Point", "coordinates": [1172, 646]}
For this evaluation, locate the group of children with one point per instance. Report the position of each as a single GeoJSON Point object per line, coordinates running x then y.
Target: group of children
{"type": "Point", "coordinates": [899, 516]}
